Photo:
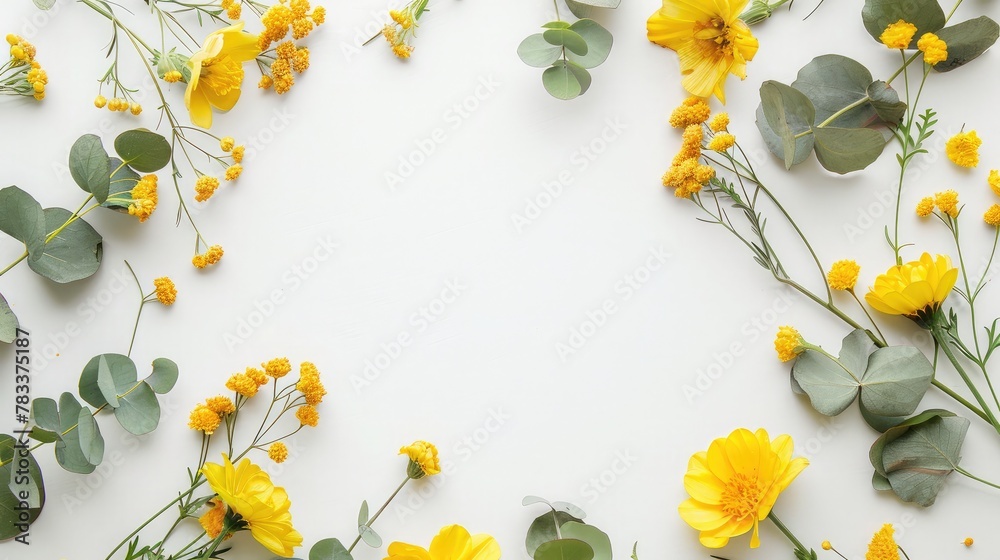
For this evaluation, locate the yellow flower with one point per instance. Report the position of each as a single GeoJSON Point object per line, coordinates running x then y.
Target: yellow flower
{"type": "Point", "coordinates": [249, 493]}
{"type": "Point", "coordinates": [402, 51]}
{"type": "Point", "coordinates": [226, 143]}
{"type": "Point", "coordinates": [166, 292]}
{"type": "Point", "coordinates": [257, 376]}
{"type": "Point", "coordinates": [947, 202]}
{"type": "Point", "coordinates": [719, 122]}
{"type": "Point", "coordinates": [992, 215]}
{"type": "Point", "coordinates": [100, 101]}
{"type": "Point", "coordinates": [265, 82]}
{"type": "Point", "coordinates": [963, 149]}
{"type": "Point", "coordinates": [210, 257]}
{"type": "Point", "coordinates": [277, 368]}
{"type": "Point", "coordinates": [211, 521]}
{"type": "Point", "coordinates": [688, 177]}
{"type": "Point", "coordinates": [242, 384]}
{"type": "Point", "coordinates": [309, 384]}
{"type": "Point", "coordinates": [994, 181]}
{"type": "Point", "coordinates": [968, 541]}
{"type": "Point", "coordinates": [135, 108]}
{"type": "Point", "coordinates": [452, 543]}
{"type": "Point", "coordinates": [915, 289]}
{"type": "Point", "coordinates": [173, 76]}
{"type": "Point", "coordinates": [220, 405]}
{"type": "Point", "coordinates": [883, 546]}
{"type": "Point", "coordinates": [898, 35]}
{"type": "Point", "coordinates": [693, 110]}
{"type": "Point", "coordinates": [203, 419]}
{"type": "Point", "coordinates": [277, 452]}
{"type": "Point", "coordinates": [423, 459]}
{"type": "Point", "coordinates": [144, 198]}
{"type": "Point", "coordinates": [238, 152]}
{"type": "Point", "coordinates": [735, 483]}
{"type": "Point", "coordinates": [710, 39]}
{"type": "Point", "coordinates": [205, 187]}
{"type": "Point", "coordinates": [722, 142]}
{"type": "Point", "coordinates": [233, 172]}
{"type": "Point", "coordinates": [934, 48]}
{"type": "Point", "coordinates": [843, 275]}
{"type": "Point", "coordinates": [787, 343]}
{"type": "Point", "coordinates": [307, 415]}
{"type": "Point", "coordinates": [217, 72]}
{"type": "Point", "coordinates": [825, 545]}
{"type": "Point", "coordinates": [925, 206]}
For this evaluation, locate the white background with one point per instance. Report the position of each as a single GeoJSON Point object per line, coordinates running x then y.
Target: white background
{"type": "Point", "coordinates": [323, 151]}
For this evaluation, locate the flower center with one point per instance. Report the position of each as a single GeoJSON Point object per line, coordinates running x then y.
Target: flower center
{"type": "Point", "coordinates": [741, 495]}
{"type": "Point", "coordinates": [716, 31]}
{"type": "Point", "coordinates": [221, 74]}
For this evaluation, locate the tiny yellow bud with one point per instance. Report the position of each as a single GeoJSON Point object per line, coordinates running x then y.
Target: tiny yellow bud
{"type": "Point", "coordinates": [968, 541]}
{"type": "Point", "coordinates": [227, 143]}
{"type": "Point", "coordinates": [13, 39]}
{"type": "Point", "coordinates": [135, 108]}
{"type": "Point", "coordinates": [173, 76]}
{"type": "Point", "coordinates": [826, 545]}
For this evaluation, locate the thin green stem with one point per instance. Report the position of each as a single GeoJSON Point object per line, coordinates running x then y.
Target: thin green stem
{"type": "Point", "coordinates": [142, 303]}
{"type": "Point", "coordinates": [867, 314]}
{"type": "Point", "coordinates": [23, 256]}
{"type": "Point", "coordinates": [941, 336]}
{"type": "Point", "coordinates": [788, 534]}
{"type": "Point", "coordinates": [962, 471]}
{"type": "Point", "coordinates": [378, 513]}
{"type": "Point", "coordinates": [836, 115]}
{"type": "Point", "coordinates": [150, 520]}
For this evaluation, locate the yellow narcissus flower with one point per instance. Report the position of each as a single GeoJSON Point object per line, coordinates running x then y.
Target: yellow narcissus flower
{"type": "Point", "coordinates": [452, 543]}
{"type": "Point", "coordinates": [259, 504]}
{"type": "Point", "coordinates": [883, 546]}
{"type": "Point", "coordinates": [423, 459]}
{"type": "Point", "coordinates": [217, 72]}
{"type": "Point", "coordinates": [710, 39]}
{"type": "Point", "coordinates": [915, 289]}
{"type": "Point", "coordinates": [735, 483]}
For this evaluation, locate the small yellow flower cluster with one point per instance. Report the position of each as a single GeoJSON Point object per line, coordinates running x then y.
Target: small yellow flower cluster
{"type": "Point", "coordinates": [686, 175]}
{"type": "Point", "coordinates": [173, 76]}
{"type": "Point", "coordinates": [247, 383]}
{"type": "Point", "coordinates": [289, 58]}
{"type": "Point", "coordinates": [719, 123]}
{"type": "Point", "coordinates": [209, 257]}
{"type": "Point", "coordinates": [787, 343]}
{"type": "Point", "coordinates": [294, 14]}
{"type": "Point", "coordinates": [207, 416]}
{"type": "Point", "coordinates": [934, 48]}
{"type": "Point", "coordinates": [166, 292]}
{"type": "Point", "coordinates": [277, 368]}
{"type": "Point", "coordinates": [898, 35]}
{"type": "Point", "coordinates": [212, 520]}
{"type": "Point", "coordinates": [307, 415]}
{"type": "Point", "coordinates": [204, 187]}
{"type": "Point", "coordinates": [883, 546]}
{"type": "Point", "coordinates": [992, 215]}
{"type": "Point", "coordinates": [278, 452]}
{"type": "Point", "coordinates": [843, 275]}
{"type": "Point", "coordinates": [144, 198]}
{"type": "Point", "coordinates": [423, 459]}
{"type": "Point", "coordinates": [963, 149]}
{"type": "Point", "coordinates": [403, 27]}
{"type": "Point", "coordinates": [233, 8]}
{"type": "Point", "coordinates": [994, 181]}
{"type": "Point", "coordinates": [722, 142]}
{"type": "Point", "coordinates": [925, 207]}
{"type": "Point", "coordinates": [117, 104]}
{"type": "Point", "coordinates": [693, 110]}
{"type": "Point", "coordinates": [947, 202]}
{"type": "Point", "coordinates": [309, 384]}
{"type": "Point", "coordinates": [22, 54]}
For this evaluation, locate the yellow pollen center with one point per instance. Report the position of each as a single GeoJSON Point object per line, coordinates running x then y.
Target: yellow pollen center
{"type": "Point", "coordinates": [719, 36]}
{"type": "Point", "coordinates": [741, 495]}
{"type": "Point", "coordinates": [221, 74]}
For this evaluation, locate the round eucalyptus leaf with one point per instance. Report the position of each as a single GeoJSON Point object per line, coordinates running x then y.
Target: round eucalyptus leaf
{"type": "Point", "coordinates": [123, 376]}
{"type": "Point", "coordinates": [564, 549]}
{"type": "Point", "coordinates": [15, 457]}
{"type": "Point", "coordinates": [123, 180]}
{"type": "Point", "coordinates": [926, 15]}
{"type": "Point", "coordinates": [70, 255]}
{"type": "Point", "coordinates": [966, 41]}
{"type": "Point", "coordinates": [886, 102]}
{"type": "Point", "coordinates": [91, 440]}
{"type": "Point", "coordinates": [843, 150]}
{"type": "Point", "coordinates": [370, 537]}
{"type": "Point", "coordinates": [138, 410]}
{"type": "Point", "coordinates": [531, 500]}
{"type": "Point", "coordinates": [535, 51]}
{"type": "Point", "coordinates": [803, 144]}
{"type": "Point", "coordinates": [8, 322]}
{"type": "Point", "coordinates": [561, 82]}
{"type": "Point", "coordinates": [566, 38]}
{"type": "Point", "coordinates": [22, 218]}
{"type": "Point", "coordinates": [164, 376]}
{"type": "Point", "coordinates": [558, 24]}
{"type": "Point", "coordinates": [329, 549]}
{"type": "Point", "coordinates": [543, 529]}
{"type": "Point", "coordinates": [599, 41]}
{"type": "Point", "coordinates": [833, 82]}
{"type": "Point", "coordinates": [596, 538]}
{"type": "Point", "coordinates": [90, 166]}
{"type": "Point", "coordinates": [788, 113]}
{"type": "Point", "coordinates": [143, 150]}
{"type": "Point", "coordinates": [581, 74]}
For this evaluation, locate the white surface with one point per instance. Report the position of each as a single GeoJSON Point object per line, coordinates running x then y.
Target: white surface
{"type": "Point", "coordinates": [322, 176]}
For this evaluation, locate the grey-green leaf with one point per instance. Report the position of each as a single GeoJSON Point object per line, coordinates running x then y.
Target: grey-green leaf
{"type": "Point", "coordinates": [363, 513]}
{"type": "Point", "coordinates": [788, 112]}
{"type": "Point", "coordinates": [599, 41]}
{"type": "Point", "coordinates": [558, 24]}
{"type": "Point", "coordinates": [561, 82]}
{"type": "Point", "coordinates": [886, 102]}
{"type": "Point", "coordinates": [566, 38]}
{"type": "Point", "coordinates": [830, 387]}
{"type": "Point", "coordinates": [833, 82]}
{"type": "Point", "coordinates": [106, 382]}
{"type": "Point", "coordinates": [535, 51]}
{"type": "Point", "coordinates": [72, 254]}
{"type": "Point", "coordinates": [564, 549]}
{"type": "Point", "coordinates": [90, 166]}
{"type": "Point", "coordinates": [143, 150]}
{"type": "Point", "coordinates": [9, 514]}
{"type": "Point", "coordinates": [966, 41]}
{"type": "Point", "coordinates": [45, 414]}
{"type": "Point", "coordinates": [601, 3]}
{"type": "Point", "coordinates": [531, 500]}
{"type": "Point", "coordinates": [164, 376]}
{"type": "Point", "coordinates": [543, 529]}
{"type": "Point", "coordinates": [581, 74]}
{"type": "Point", "coordinates": [843, 150]}
{"type": "Point", "coordinates": [22, 218]}
{"type": "Point", "coordinates": [879, 422]}
{"type": "Point", "coordinates": [138, 410]}
{"type": "Point", "coordinates": [370, 537]}
{"type": "Point", "coordinates": [896, 380]}
{"type": "Point", "coordinates": [42, 5]}
{"type": "Point", "coordinates": [596, 538]}
{"type": "Point", "coordinates": [123, 373]}
{"type": "Point", "coordinates": [803, 144]}
{"type": "Point", "coordinates": [329, 549]}
{"type": "Point", "coordinates": [917, 462]}
{"type": "Point", "coordinates": [69, 454]}
{"type": "Point", "coordinates": [569, 508]}
{"type": "Point", "coordinates": [123, 180]}
{"type": "Point", "coordinates": [926, 15]}
{"type": "Point", "coordinates": [91, 441]}
{"type": "Point", "coordinates": [8, 322]}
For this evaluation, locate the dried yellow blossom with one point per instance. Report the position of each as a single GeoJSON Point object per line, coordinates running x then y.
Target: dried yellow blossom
{"type": "Point", "coordinates": [233, 172]}
{"type": "Point", "coordinates": [883, 546]}
{"type": "Point", "coordinates": [203, 419]}
{"type": "Point", "coordinates": [210, 257]}
{"type": "Point", "coordinates": [947, 202]}
{"type": "Point", "coordinates": [719, 122]}
{"type": "Point", "coordinates": [277, 368]}
{"type": "Point", "coordinates": [963, 149]}
{"type": "Point", "coordinates": [423, 459]}
{"type": "Point", "coordinates": [843, 275]}
{"type": "Point", "coordinates": [788, 343]}
{"type": "Point", "coordinates": [307, 415]}
{"type": "Point", "coordinates": [722, 142]}
{"type": "Point", "coordinates": [265, 82]}
{"type": "Point", "coordinates": [220, 405]}
{"type": "Point", "coordinates": [925, 206]}
{"type": "Point", "coordinates": [166, 292]}
{"type": "Point", "coordinates": [238, 152]}
{"type": "Point", "coordinates": [992, 215]}
{"type": "Point", "coordinates": [205, 187]}
{"type": "Point", "coordinates": [242, 384]}
{"type": "Point", "coordinates": [309, 384]}
{"type": "Point", "coordinates": [135, 108]}
{"type": "Point", "coordinates": [278, 452]}
{"type": "Point", "coordinates": [994, 181]}
{"type": "Point", "coordinates": [173, 76]}
{"type": "Point", "coordinates": [935, 50]}
{"type": "Point", "coordinates": [144, 198]}
{"type": "Point", "coordinates": [694, 110]}
{"type": "Point", "coordinates": [100, 101]}
{"type": "Point", "coordinates": [257, 376]}
{"type": "Point", "coordinates": [226, 143]}
{"type": "Point", "coordinates": [212, 520]}
{"type": "Point", "coordinates": [898, 35]}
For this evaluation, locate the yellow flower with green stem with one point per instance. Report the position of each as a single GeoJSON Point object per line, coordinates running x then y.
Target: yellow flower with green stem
{"type": "Point", "coordinates": [217, 72]}
{"type": "Point", "coordinates": [452, 543]}
{"type": "Point", "coordinates": [403, 28]}
{"type": "Point", "coordinates": [915, 289]}
{"type": "Point", "coordinates": [22, 74]}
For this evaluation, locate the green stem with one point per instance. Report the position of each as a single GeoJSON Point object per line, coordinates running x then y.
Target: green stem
{"type": "Point", "coordinates": [157, 514]}
{"type": "Point", "coordinates": [962, 471]}
{"type": "Point", "coordinates": [378, 513]}
{"type": "Point", "coordinates": [942, 339]}
{"type": "Point", "coordinates": [23, 256]}
{"type": "Point", "coordinates": [962, 400]}
{"type": "Point", "coordinates": [836, 115]}
{"type": "Point", "coordinates": [142, 304]}
{"type": "Point", "coordinates": [788, 534]}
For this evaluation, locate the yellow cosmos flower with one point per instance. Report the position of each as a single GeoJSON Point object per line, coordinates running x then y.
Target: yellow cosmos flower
{"type": "Point", "coordinates": [423, 459]}
{"type": "Point", "coordinates": [883, 546]}
{"type": "Point", "coordinates": [452, 543]}
{"type": "Point", "coordinates": [217, 72]}
{"type": "Point", "coordinates": [710, 40]}
{"type": "Point", "coordinates": [735, 483]}
{"type": "Point", "coordinates": [261, 506]}
{"type": "Point", "coordinates": [915, 289]}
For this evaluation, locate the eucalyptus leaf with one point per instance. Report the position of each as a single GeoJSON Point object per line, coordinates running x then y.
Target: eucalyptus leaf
{"type": "Point", "coordinates": [579, 9]}
{"type": "Point", "coordinates": [601, 3]}
{"type": "Point", "coordinates": [569, 508]}
{"type": "Point", "coordinates": [531, 500]}
{"type": "Point", "coordinates": [9, 502]}
{"type": "Point", "coordinates": [123, 373]}
{"type": "Point", "coordinates": [926, 15]}
{"type": "Point", "coordinates": [106, 382]}
{"type": "Point", "coordinates": [832, 83]}
{"type": "Point", "coordinates": [363, 513]}
{"type": "Point", "coordinates": [831, 385]}
{"type": "Point", "coordinates": [599, 41]}
{"type": "Point", "coordinates": [561, 82]}
{"type": "Point", "coordinates": [788, 113]}
{"type": "Point", "coordinates": [566, 38]}
{"type": "Point", "coordinates": [598, 540]}
{"type": "Point", "coordinates": [42, 5]}
{"type": "Point", "coordinates": [138, 410]}
{"type": "Point", "coordinates": [564, 549]}
{"type": "Point", "coordinates": [69, 453]}
{"type": "Point", "coordinates": [543, 529]}
{"type": "Point", "coordinates": [143, 150]}
{"type": "Point", "coordinates": [164, 376]}
{"type": "Point", "coordinates": [123, 180]}
{"type": "Point", "coordinates": [558, 24]}
{"type": "Point", "coordinates": [886, 103]}
{"type": "Point", "coordinates": [90, 166]}
{"type": "Point", "coordinates": [43, 436]}
{"type": "Point", "coordinates": [72, 254]}
{"type": "Point", "coordinates": [966, 41]}
{"type": "Point", "coordinates": [843, 150]}
{"type": "Point", "coordinates": [803, 144]}
{"type": "Point", "coordinates": [28, 489]}
{"type": "Point", "coordinates": [329, 549]}
{"type": "Point", "coordinates": [22, 218]}
{"type": "Point", "coordinates": [581, 74]}
{"type": "Point", "coordinates": [370, 537]}
{"type": "Point", "coordinates": [45, 414]}
{"type": "Point", "coordinates": [878, 422]}
{"type": "Point", "coordinates": [91, 440]}
{"type": "Point", "coordinates": [895, 381]}
{"type": "Point", "coordinates": [8, 322]}
{"type": "Point", "coordinates": [535, 51]}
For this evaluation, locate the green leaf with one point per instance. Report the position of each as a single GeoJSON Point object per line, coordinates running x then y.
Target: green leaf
{"type": "Point", "coordinates": [598, 540]}
{"type": "Point", "coordinates": [896, 380]}
{"type": "Point", "coordinates": [106, 382]}
{"type": "Point", "coordinates": [531, 500]}
{"type": "Point", "coordinates": [566, 38]}
{"type": "Point", "coordinates": [878, 422]}
{"type": "Point", "coordinates": [72, 254]}
{"type": "Point", "coordinates": [22, 218]}
{"type": "Point", "coordinates": [45, 413]}
{"type": "Point", "coordinates": [966, 41]}
{"type": "Point", "coordinates": [123, 180]}
{"type": "Point", "coordinates": [558, 24]}
{"type": "Point", "coordinates": [329, 549]}
{"type": "Point", "coordinates": [43, 5]}
{"type": "Point", "coordinates": [164, 376]}
{"type": "Point", "coordinates": [138, 410]}
{"type": "Point", "coordinates": [880, 482]}
{"type": "Point", "coordinates": [843, 150]}
{"type": "Point", "coordinates": [543, 529]}
{"type": "Point", "coordinates": [833, 82]}
{"type": "Point", "coordinates": [90, 166]}
{"type": "Point", "coordinates": [9, 502]}
{"type": "Point", "coordinates": [581, 74]}
{"type": "Point", "coordinates": [91, 441]}
{"type": "Point", "coordinates": [569, 508]}
{"type": "Point", "coordinates": [43, 436]}
{"type": "Point", "coordinates": [788, 112]}
{"type": "Point", "coordinates": [886, 102]}
{"type": "Point", "coordinates": [832, 385]}
{"type": "Point", "coordinates": [564, 549]}
{"type": "Point", "coordinates": [803, 144]}
{"type": "Point", "coordinates": [586, 8]}
{"type": "Point", "coordinates": [535, 51]}
{"type": "Point", "coordinates": [561, 82]}
{"type": "Point", "coordinates": [363, 514]}
{"type": "Point", "coordinates": [599, 41]}
{"type": "Point", "coordinates": [927, 15]}
{"type": "Point", "coordinates": [370, 537]}
{"type": "Point", "coordinates": [123, 374]}
{"type": "Point", "coordinates": [8, 322]}
{"type": "Point", "coordinates": [143, 150]}
{"type": "Point", "coordinates": [21, 484]}
{"type": "Point", "coordinates": [916, 456]}
{"type": "Point", "coordinates": [69, 453]}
